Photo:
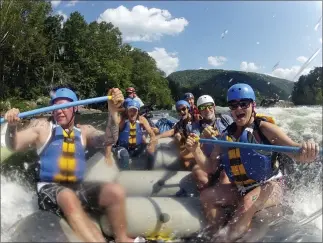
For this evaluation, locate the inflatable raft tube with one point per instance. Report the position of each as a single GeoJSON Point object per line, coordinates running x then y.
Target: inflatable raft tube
{"type": "Point", "coordinates": [166, 217]}
{"type": "Point", "coordinates": [151, 213]}
{"type": "Point", "coordinates": [166, 157]}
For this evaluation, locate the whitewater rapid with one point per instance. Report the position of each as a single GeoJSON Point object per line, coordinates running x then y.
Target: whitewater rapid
{"type": "Point", "coordinates": [300, 123]}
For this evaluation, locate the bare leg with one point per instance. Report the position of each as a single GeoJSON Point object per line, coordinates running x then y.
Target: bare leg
{"type": "Point", "coordinates": [259, 198]}
{"type": "Point", "coordinates": [112, 198]}
{"type": "Point", "coordinates": [213, 198]}
{"type": "Point", "coordinates": [77, 218]}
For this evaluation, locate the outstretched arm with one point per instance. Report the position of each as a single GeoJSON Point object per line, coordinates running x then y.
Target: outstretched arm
{"type": "Point", "coordinates": [166, 134]}
{"type": "Point", "coordinates": [147, 127]}
{"type": "Point", "coordinates": [276, 136]}
{"type": "Point", "coordinates": [27, 138]}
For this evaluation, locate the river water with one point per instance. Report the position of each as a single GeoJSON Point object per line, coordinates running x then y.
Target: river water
{"type": "Point", "coordinates": [18, 198]}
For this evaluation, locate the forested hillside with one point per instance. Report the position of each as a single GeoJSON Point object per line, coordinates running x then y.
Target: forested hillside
{"type": "Point", "coordinates": [216, 82]}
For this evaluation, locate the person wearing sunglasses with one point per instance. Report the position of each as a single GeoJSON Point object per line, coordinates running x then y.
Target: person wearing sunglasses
{"type": "Point", "coordinates": [131, 93]}
{"type": "Point", "coordinates": [251, 180]}
{"type": "Point", "coordinates": [211, 125]}
{"type": "Point", "coordinates": [180, 132]}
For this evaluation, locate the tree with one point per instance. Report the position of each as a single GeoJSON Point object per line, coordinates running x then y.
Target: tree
{"type": "Point", "coordinates": [38, 53]}
{"type": "Point", "coordinates": [308, 89]}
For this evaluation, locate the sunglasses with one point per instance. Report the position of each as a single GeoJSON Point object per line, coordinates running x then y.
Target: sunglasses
{"type": "Point", "coordinates": [244, 104]}
{"type": "Point", "coordinates": [204, 107]}
{"type": "Point", "coordinates": [182, 110]}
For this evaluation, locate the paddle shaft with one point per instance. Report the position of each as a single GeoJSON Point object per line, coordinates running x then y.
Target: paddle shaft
{"type": "Point", "coordinates": [61, 106]}
{"type": "Point", "coordinates": [276, 148]}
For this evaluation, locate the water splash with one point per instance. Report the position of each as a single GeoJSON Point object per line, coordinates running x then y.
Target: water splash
{"type": "Point", "coordinates": [16, 202]}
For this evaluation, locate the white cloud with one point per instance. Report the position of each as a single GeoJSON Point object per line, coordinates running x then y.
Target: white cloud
{"type": "Point", "coordinates": [289, 73]}
{"type": "Point", "coordinates": [143, 24]}
{"type": "Point", "coordinates": [302, 59]}
{"type": "Point", "coordinates": [55, 3]}
{"type": "Point", "coordinates": [71, 3]}
{"type": "Point", "coordinates": [248, 67]}
{"type": "Point", "coordinates": [167, 62]}
{"type": "Point", "coordinates": [216, 60]}
{"type": "Point", "coordinates": [60, 12]}
{"type": "Point", "coordinates": [321, 40]}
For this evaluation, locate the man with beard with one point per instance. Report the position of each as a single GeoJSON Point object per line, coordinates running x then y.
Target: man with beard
{"type": "Point", "coordinates": [211, 125]}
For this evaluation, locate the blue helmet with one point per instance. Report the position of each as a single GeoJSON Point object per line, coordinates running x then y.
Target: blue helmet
{"type": "Point", "coordinates": [126, 102]}
{"type": "Point", "coordinates": [182, 102]}
{"type": "Point", "coordinates": [63, 93]}
{"type": "Point", "coordinates": [188, 96]}
{"type": "Point", "coordinates": [132, 104]}
{"type": "Point", "coordinates": [240, 91]}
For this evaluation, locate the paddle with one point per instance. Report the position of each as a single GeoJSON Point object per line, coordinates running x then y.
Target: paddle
{"type": "Point", "coordinates": [61, 106]}
{"type": "Point", "coordinates": [267, 147]}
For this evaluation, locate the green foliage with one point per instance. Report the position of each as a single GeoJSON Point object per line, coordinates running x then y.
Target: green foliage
{"type": "Point", "coordinates": [38, 53]}
{"type": "Point", "coordinates": [22, 105]}
{"type": "Point", "coordinates": [216, 82]}
{"type": "Point", "coordinates": [308, 89]}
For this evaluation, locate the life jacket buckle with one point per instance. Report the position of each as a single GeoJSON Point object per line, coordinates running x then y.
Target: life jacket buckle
{"type": "Point", "coordinates": [69, 140]}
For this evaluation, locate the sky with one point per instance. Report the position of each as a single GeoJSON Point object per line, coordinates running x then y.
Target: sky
{"type": "Point", "coordinates": [270, 37]}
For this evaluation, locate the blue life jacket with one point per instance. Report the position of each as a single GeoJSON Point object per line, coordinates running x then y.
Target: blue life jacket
{"type": "Point", "coordinates": [247, 167]}
{"type": "Point", "coordinates": [131, 135]}
{"type": "Point", "coordinates": [63, 157]}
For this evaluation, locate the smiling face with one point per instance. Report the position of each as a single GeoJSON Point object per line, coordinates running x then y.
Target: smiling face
{"type": "Point", "coordinates": [190, 101]}
{"type": "Point", "coordinates": [183, 111]}
{"type": "Point", "coordinates": [241, 111]}
{"type": "Point", "coordinates": [132, 114]}
{"type": "Point", "coordinates": [64, 117]}
{"type": "Point", "coordinates": [207, 111]}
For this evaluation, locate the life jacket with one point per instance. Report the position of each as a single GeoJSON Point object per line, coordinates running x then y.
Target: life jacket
{"type": "Point", "coordinates": [220, 125]}
{"type": "Point", "coordinates": [248, 168]}
{"type": "Point", "coordinates": [62, 158]}
{"type": "Point", "coordinates": [131, 135]}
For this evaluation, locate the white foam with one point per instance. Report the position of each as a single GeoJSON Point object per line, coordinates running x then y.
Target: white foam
{"type": "Point", "coordinates": [16, 202]}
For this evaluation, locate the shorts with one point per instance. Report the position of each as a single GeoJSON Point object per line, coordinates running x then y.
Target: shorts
{"type": "Point", "coordinates": [87, 192]}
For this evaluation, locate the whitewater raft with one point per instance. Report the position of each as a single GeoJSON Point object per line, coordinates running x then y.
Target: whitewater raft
{"type": "Point", "coordinates": [161, 204]}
